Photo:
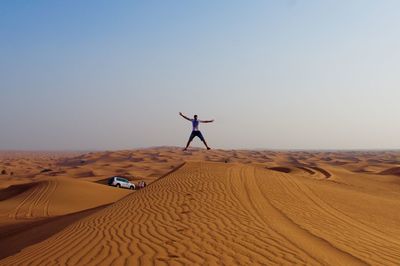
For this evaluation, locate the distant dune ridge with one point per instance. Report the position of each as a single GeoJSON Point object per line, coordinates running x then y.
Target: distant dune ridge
{"type": "Point", "coordinates": [219, 207]}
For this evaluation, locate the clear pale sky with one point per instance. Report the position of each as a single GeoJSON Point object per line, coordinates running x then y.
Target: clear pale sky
{"type": "Point", "coordinates": [273, 74]}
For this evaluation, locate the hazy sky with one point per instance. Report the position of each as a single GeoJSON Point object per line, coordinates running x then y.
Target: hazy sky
{"type": "Point", "coordinates": [274, 74]}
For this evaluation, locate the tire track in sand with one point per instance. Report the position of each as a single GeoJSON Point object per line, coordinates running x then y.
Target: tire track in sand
{"type": "Point", "coordinates": [297, 201]}
{"type": "Point", "coordinates": [35, 203]}
{"type": "Point", "coordinates": [317, 248]}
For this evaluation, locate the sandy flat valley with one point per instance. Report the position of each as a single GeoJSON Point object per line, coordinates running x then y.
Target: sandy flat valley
{"type": "Point", "coordinates": [218, 207]}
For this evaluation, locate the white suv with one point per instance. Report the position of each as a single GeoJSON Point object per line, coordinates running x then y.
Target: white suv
{"type": "Point", "coordinates": [118, 181]}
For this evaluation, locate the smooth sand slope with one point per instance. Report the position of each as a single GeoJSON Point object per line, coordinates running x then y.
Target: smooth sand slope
{"type": "Point", "coordinates": [55, 196]}
{"type": "Point", "coordinates": [237, 214]}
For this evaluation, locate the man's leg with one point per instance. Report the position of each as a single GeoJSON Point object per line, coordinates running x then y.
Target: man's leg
{"type": "Point", "coordinates": [205, 143]}
{"type": "Point", "coordinates": [190, 140]}
{"type": "Point", "coordinates": [203, 140]}
{"type": "Point", "coordinates": [187, 145]}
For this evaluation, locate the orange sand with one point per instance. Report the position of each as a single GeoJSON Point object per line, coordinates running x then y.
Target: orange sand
{"type": "Point", "coordinates": [219, 208]}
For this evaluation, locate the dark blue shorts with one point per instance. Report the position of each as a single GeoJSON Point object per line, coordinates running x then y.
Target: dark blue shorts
{"type": "Point", "coordinates": [196, 134]}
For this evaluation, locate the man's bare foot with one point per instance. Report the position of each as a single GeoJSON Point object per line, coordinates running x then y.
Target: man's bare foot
{"type": "Point", "coordinates": [208, 148]}
{"type": "Point", "coordinates": [185, 149]}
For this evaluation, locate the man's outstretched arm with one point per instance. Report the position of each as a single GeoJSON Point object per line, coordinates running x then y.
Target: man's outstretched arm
{"type": "Point", "coordinates": [207, 121]}
{"type": "Point", "coordinates": [184, 116]}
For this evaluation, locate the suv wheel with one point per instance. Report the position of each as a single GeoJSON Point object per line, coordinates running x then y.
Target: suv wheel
{"type": "Point", "coordinates": [132, 187]}
{"type": "Point", "coordinates": [118, 185]}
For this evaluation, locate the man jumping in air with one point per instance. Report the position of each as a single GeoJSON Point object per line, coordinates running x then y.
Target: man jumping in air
{"type": "Point", "coordinates": [196, 132]}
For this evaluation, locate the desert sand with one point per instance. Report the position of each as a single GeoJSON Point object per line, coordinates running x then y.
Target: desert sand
{"type": "Point", "coordinates": [218, 207]}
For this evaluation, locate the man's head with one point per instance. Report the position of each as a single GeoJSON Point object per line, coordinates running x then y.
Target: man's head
{"type": "Point", "coordinates": [195, 117]}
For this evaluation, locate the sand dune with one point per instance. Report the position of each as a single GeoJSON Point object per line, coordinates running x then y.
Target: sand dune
{"type": "Point", "coordinates": [56, 196]}
{"type": "Point", "coordinates": [34, 211]}
{"type": "Point", "coordinates": [16, 236]}
{"type": "Point", "coordinates": [217, 213]}
{"type": "Point", "coordinates": [391, 171]}
{"type": "Point", "coordinates": [322, 171]}
{"type": "Point", "coordinates": [219, 207]}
